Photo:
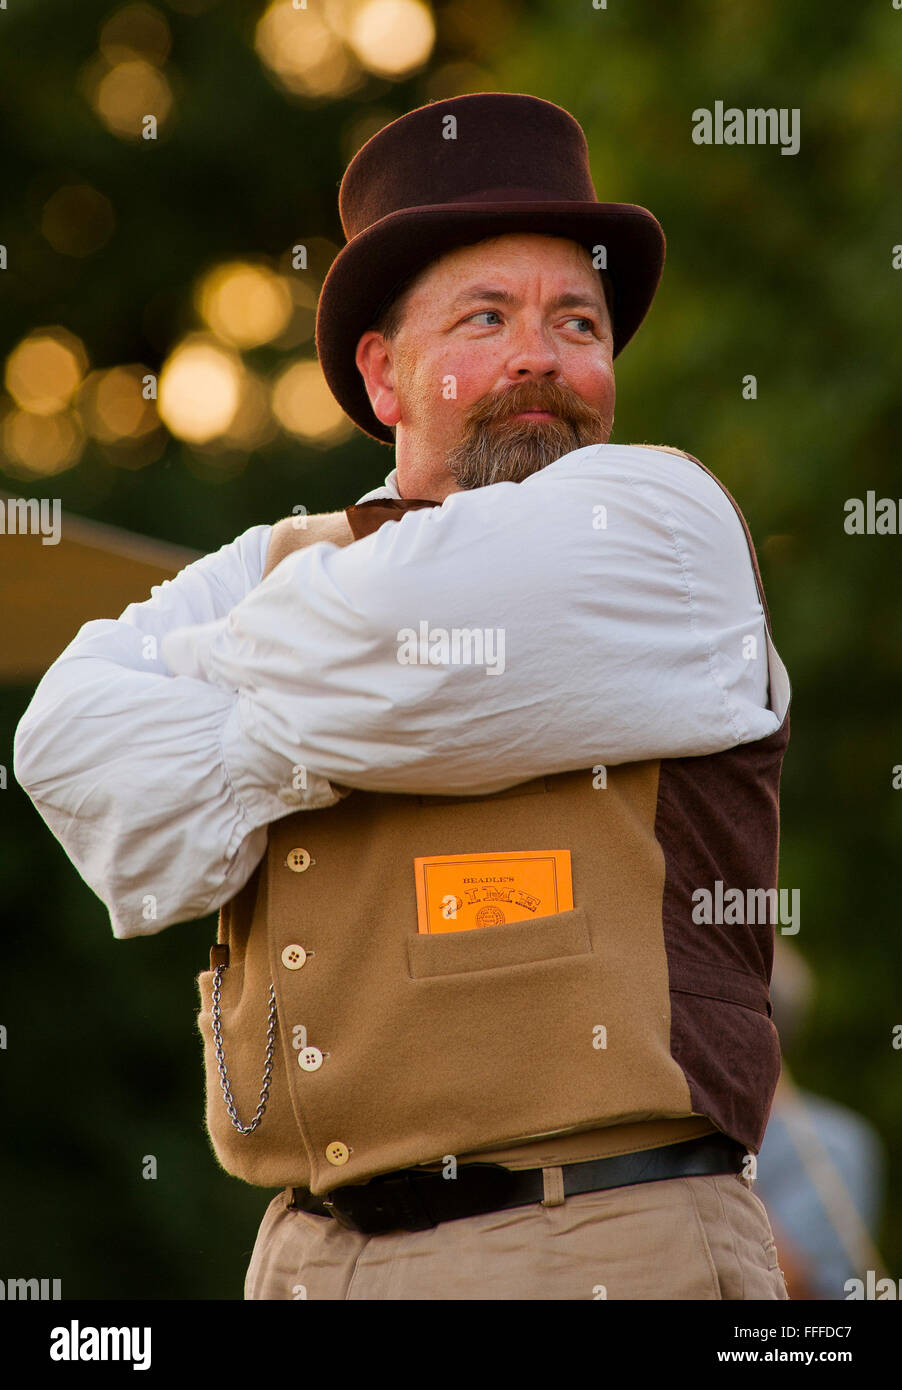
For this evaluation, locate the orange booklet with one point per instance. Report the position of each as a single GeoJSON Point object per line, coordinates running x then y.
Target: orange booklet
{"type": "Point", "coordinates": [457, 892]}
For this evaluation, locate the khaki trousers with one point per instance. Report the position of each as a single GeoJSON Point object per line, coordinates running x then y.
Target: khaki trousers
{"type": "Point", "coordinates": [679, 1238]}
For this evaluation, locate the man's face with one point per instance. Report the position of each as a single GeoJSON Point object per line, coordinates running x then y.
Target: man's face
{"type": "Point", "coordinates": [502, 364]}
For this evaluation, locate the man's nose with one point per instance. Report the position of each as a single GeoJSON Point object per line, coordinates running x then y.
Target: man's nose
{"type": "Point", "coordinates": [533, 353]}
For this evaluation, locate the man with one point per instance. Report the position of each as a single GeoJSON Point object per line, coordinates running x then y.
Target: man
{"type": "Point", "coordinates": [466, 1014]}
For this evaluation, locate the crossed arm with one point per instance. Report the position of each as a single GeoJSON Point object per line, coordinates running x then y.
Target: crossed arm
{"type": "Point", "coordinates": [159, 746]}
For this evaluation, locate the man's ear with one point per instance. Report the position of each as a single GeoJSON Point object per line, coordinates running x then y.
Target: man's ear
{"type": "Point", "coordinates": [375, 363]}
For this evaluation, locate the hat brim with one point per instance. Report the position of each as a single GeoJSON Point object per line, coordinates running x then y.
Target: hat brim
{"type": "Point", "coordinates": [393, 249]}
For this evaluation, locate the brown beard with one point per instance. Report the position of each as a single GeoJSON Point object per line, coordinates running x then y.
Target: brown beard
{"type": "Point", "coordinates": [496, 448]}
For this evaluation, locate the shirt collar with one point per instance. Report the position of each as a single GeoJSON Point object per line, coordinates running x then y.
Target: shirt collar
{"type": "Point", "coordinates": [389, 489]}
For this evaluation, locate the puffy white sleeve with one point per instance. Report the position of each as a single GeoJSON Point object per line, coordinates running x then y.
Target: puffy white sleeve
{"type": "Point", "coordinates": [123, 759]}
{"type": "Point", "coordinates": [603, 611]}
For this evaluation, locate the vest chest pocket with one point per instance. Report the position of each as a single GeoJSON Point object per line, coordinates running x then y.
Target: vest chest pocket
{"type": "Point", "coordinates": [557, 936]}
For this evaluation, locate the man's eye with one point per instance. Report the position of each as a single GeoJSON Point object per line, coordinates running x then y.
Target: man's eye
{"type": "Point", "coordinates": [589, 326]}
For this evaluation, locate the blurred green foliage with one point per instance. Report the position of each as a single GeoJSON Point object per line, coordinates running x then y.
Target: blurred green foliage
{"type": "Point", "coordinates": [777, 266]}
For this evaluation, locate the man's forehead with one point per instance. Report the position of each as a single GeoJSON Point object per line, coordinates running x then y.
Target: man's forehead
{"type": "Point", "coordinates": [502, 270]}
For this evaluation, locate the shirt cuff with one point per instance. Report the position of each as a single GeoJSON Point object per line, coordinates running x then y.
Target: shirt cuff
{"type": "Point", "coordinates": [265, 786]}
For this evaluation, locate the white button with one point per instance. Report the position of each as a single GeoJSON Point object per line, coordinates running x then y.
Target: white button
{"type": "Point", "coordinates": [289, 796]}
{"type": "Point", "coordinates": [298, 860]}
{"type": "Point", "coordinates": [337, 1152]}
{"type": "Point", "coordinates": [310, 1058]}
{"type": "Point", "coordinates": [293, 957]}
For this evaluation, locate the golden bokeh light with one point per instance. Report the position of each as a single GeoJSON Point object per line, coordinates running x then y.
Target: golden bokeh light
{"type": "Point", "coordinates": [245, 304]}
{"type": "Point", "coordinates": [304, 405]}
{"type": "Point", "coordinates": [302, 292]}
{"type": "Point", "coordinates": [392, 37]}
{"type": "Point", "coordinates": [302, 324]}
{"type": "Point", "coordinates": [199, 390]}
{"type": "Point", "coordinates": [77, 220]}
{"type": "Point", "coordinates": [135, 31]}
{"type": "Point", "coordinates": [129, 92]}
{"type": "Point", "coordinates": [253, 424]}
{"type": "Point", "coordinates": [113, 407]}
{"type": "Point", "coordinates": [41, 445]}
{"type": "Point", "coordinates": [303, 53]}
{"type": "Point", "coordinates": [320, 253]}
{"type": "Point", "coordinates": [44, 371]}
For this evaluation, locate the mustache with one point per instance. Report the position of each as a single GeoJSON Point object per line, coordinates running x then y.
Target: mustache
{"type": "Point", "coordinates": [558, 400]}
{"type": "Point", "coordinates": [495, 447]}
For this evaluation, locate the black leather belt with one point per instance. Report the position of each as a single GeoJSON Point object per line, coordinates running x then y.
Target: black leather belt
{"type": "Point", "coordinates": [413, 1200]}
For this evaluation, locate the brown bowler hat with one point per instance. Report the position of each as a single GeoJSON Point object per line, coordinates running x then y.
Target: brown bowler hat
{"type": "Point", "coordinates": [514, 163]}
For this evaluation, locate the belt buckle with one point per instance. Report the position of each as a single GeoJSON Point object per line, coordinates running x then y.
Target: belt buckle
{"type": "Point", "coordinates": [387, 1203]}
{"type": "Point", "coordinates": [338, 1216]}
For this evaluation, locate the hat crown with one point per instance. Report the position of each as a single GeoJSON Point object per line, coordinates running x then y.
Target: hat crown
{"type": "Point", "coordinates": [500, 147]}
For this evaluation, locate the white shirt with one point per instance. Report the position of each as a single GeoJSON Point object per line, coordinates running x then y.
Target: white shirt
{"type": "Point", "coordinates": [159, 746]}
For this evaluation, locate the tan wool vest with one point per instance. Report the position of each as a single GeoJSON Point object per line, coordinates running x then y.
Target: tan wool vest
{"type": "Point", "coordinates": [394, 1048]}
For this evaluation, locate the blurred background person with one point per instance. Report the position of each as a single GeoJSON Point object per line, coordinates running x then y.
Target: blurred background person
{"type": "Point", "coordinates": [821, 1169]}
